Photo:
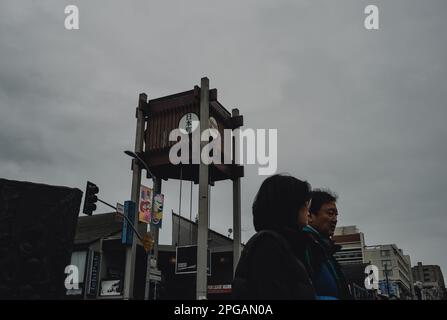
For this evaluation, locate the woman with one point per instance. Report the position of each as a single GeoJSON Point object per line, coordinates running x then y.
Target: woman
{"type": "Point", "coordinates": [269, 267]}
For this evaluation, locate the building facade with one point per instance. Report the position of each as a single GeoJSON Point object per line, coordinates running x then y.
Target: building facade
{"type": "Point", "coordinates": [100, 256]}
{"type": "Point", "coordinates": [429, 282]}
{"type": "Point", "coordinates": [352, 244]}
{"type": "Point", "coordinates": [395, 276]}
{"type": "Point", "coordinates": [351, 258]}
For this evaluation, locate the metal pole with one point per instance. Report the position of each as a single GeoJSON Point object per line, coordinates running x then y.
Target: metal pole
{"type": "Point", "coordinates": [387, 282]}
{"type": "Point", "coordinates": [190, 216]}
{"type": "Point", "coordinates": [180, 205]}
{"type": "Point", "coordinates": [107, 204]}
{"type": "Point", "coordinates": [155, 234]}
{"type": "Point", "coordinates": [236, 212]}
{"type": "Point", "coordinates": [202, 236]}
{"type": "Point", "coordinates": [127, 219]}
{"type": "Point", "coordinates": [129, 272]}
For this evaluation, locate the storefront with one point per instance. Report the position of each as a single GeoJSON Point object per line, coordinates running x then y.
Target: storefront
{"type": "Point", "coordinates": [100, 257]}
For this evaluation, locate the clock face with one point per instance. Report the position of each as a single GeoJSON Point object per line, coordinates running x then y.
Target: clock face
{"type": "Point", "coordinates": [188, 123]}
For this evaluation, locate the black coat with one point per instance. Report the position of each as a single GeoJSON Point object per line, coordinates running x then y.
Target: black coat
{"type": "Point", "coordinates": [269, 269]}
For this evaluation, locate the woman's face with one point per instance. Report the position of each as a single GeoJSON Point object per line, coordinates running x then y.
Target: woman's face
{"type": "Point", "coordinates": [303, 215]}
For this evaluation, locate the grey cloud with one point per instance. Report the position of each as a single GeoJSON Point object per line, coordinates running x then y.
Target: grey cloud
{"type": "Point", "coordinates": [359, 112]}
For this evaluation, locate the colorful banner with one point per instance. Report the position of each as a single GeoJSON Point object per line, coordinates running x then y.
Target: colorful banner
{"type": "Point", "coordinates": [157, 216]}
{"type": "Point", "coordinates": [145, 207]}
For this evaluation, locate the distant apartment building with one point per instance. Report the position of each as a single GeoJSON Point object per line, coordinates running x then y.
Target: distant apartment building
{"type": "Point", "coordinates": [352, 244]}
{"type": "Point", "coordinates": [351, 259]}
{"type": "Point", "coordinates": [395, 274]}
{"type": "Point", "coordinates": [429, 282]}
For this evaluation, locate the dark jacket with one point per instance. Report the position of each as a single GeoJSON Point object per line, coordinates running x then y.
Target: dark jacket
{"type": "Point", "coordinates": [270, 269]}
{"type": "Point", "coordinates": [325, 272]}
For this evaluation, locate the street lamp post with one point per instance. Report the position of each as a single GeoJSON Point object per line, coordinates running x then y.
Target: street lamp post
{"type": "Point", "coordinates": [129, 271]}
{"type": "Point", "coordinates": [141, 162]}
{"type": "Point", "coordinates": [153, 229]}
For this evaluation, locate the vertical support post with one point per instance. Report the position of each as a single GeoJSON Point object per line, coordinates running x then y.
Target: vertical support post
{"type": "Point", "coordinates": [155, 233]}
{"type": "Point", "coordinates": [202, 236]}
{"type": "Point", "coordinates": [129, 273]}
{"type": "Point", "coordinates": [236, 212]}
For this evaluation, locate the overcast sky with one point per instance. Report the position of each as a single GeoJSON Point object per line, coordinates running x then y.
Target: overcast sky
{"type": "Point", "coordinates": [360, 112]}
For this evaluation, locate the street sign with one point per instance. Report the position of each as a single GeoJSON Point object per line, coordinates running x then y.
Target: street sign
{"type": "Point", "coordinates": [186, 260]}
{"type": "Point", "coordinates": [119, 208]}
{"type": "Point", "coordinates": [155, 278]}
{"type": "Point", "coordinates": [148, 242]}
{"type": "Point", "coordinates": [155, 272]}
{"type": "Point", "coordinates": [155, 275]}
{"type": "Point", "coordinates": [219, 288]}
{"type": "Point", "coordinates": [119, 212]}
{"type": "Point", "coordinates": [127, 233]}
{"type": "Point", "coordinates": [95, 258]}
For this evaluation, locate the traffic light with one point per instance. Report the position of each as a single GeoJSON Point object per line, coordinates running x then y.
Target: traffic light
{"type": "Point", "coordinates": [90, 198]}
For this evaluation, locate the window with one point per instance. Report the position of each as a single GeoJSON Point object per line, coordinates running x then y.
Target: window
{"type": "Point", "coordinates": [385, 253]}
{"type": "Point", "coordinates": [386, 264]}
{"type": "Point", "coordinates": [78, 259]}
{"type": "Point", "coordinates": [388, 272]}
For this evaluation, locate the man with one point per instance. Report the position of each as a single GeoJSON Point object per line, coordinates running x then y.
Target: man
{"type": "Point", "coordinates": [325, 272]}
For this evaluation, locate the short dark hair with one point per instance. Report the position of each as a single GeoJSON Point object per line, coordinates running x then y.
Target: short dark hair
{"type": "Point", "coordinates": [321, 197]}
{"type": "Point", "coordinates": [278, 201]}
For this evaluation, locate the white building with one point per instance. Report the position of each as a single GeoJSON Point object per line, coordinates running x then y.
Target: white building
{"type": "Point", "coordinates": [394, 267]}
{"type": "Point", "coordinates": [352, 244]}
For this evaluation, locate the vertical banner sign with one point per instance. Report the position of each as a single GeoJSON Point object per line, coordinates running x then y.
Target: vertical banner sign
{"type": "Point", "coordinates": [129, 212]}
{"type": "Point", "coordinates": [94, 273]}
{"type": "Point", "coordinates": [145, 206]}
{"type": "Point", "coordinates": [157, 214]}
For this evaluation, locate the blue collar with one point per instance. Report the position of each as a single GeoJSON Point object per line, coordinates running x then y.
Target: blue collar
{"type": "Point", "coordinates": [326, 242]}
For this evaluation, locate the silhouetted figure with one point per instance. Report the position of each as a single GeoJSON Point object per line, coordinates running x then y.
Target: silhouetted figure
{"type": "Point", "coordinates": [269, 267]}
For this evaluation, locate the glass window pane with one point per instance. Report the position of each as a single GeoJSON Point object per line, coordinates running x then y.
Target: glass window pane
{"type": "Point", "coordinates": [78, 259]}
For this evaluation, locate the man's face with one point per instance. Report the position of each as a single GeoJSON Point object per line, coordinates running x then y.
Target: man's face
{"type": "Point", "coordinates": [325, 220]}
